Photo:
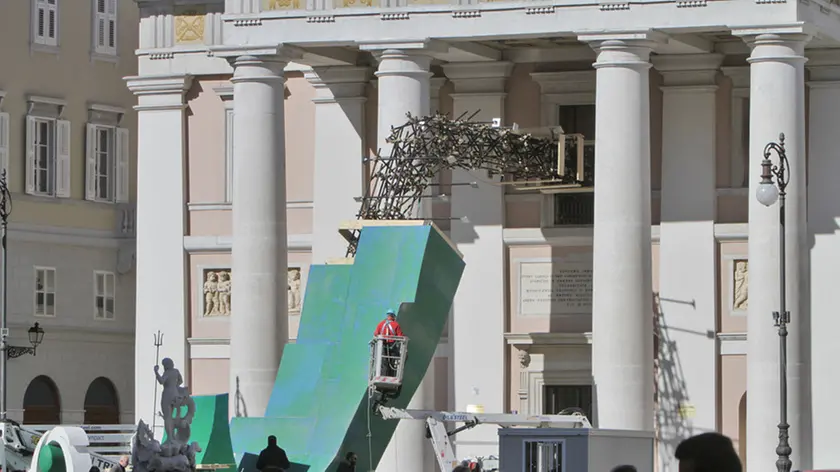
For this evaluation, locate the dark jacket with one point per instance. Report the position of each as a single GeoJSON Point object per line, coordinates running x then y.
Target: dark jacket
{"type": "Point", "coordinates": [345, 466]}
{"type": "Point", "coordinates": [273, 458]}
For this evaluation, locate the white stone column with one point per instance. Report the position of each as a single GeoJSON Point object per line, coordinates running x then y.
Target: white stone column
{"type": "Point", "coordinates": [339, 147]}
{"type": "Point", "coordinates": [161, 303]}
{"type": "Point", "coordinates": [622, 303]}
{"type": "Point", "coordinates": [777, 105]}
{"type": "Point", "coordinates": [478, 317]}
{"type": "Point", "coordinates": [403, 86]}
{"type": "Point", "coordinates": [259, 315]}
{"type": "Point", "coordinates": [687, 248]}
{"type": "Point", "coordinates": [824, 240]}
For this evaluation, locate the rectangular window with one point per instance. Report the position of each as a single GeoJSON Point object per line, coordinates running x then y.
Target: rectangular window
{"type": "Point", "coordinates": [103, 295]}
{"type": "Point", "coordinates": [577, 209]}
{"type": "Point", "coordinates": [105, 27]}
{"type": "Point", "coordinates": [44, 291]}
{"type": "Point", "coordinates": [557, 398]}
{"type": "Point", "coordinates": [106, 178]}
{"type": "Point", "coordinates": [544, 456]}
{"type": "Point", "coordinates": [45, 22]}
{"type": "Point", "coordinates": [48, 157]}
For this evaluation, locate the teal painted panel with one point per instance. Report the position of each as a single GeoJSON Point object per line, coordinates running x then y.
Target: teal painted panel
{"type": "Point", "coordinates": [210, 430]}
{"type": "Point", "coordinates": [319, 406]}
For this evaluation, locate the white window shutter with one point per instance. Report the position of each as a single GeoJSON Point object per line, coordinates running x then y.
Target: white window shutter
{"type": "Point", "coordinates": [30, 155]}
{"type": "Point", "coordinates": [62, 158]}
{"type": "Point", "coordinates": [123, 152]}
{"type": "Point", "coordinates": [4, 143]}
{"type": "Point", "coordinates": [90, 163]}
{"type": "Point", "coordinates": [112, 25]}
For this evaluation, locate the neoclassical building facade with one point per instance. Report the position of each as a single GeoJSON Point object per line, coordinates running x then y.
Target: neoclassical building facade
{"type": "Point", "coordinates": [646, 300]}
{"type": "Point", "coordinates": [67, 134]}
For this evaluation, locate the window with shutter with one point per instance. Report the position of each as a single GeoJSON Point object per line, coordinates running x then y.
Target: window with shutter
{"type": "Point", "coordinates": [106, 178]}
{"type": "Point", "coordinates": [105, 27]}
{"type": "Point", "coordinates": [62, 158]}
{"type": "Point", "coordinates": [40, 156]}
{"type": "Point", "coordinates": [45, 22]}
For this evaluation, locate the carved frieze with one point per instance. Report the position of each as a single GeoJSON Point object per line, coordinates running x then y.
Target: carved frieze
{"type": "Point", "coordinates": [217, 292]}
{"type": "Point", "coordinates": [295, 296]}
{"type": "Point", "coordinates": [740, 284]}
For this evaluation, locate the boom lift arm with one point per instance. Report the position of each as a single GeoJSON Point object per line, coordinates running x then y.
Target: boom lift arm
{"type": "Point", "coordinates": [436, 429]}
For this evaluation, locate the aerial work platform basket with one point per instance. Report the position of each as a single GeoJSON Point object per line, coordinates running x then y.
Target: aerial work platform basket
{"type": "Point", "coordinates": [387, 362]}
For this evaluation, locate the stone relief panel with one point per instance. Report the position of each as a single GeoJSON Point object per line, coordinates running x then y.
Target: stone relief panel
{"type": "Point", "coordinates": [189, 24]}
{"type": "Point", "coordinates": [295, 294]}
{"type": "Point", "coordinates": [356, 3]}
{"type": "Point", "coordinates": [740, 285]}
{"type": "Point", "coordinates": [216, 291]}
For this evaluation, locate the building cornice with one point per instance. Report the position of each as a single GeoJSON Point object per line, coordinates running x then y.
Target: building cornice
{"type": "Point", "coordinates": [582, 236]}
{"type": "Point", "coordinates": [277, 52]}
{"type": "Point", "coordinates": [224, 244]}
{"type": "Point", "coordinates": [159, 84]}
{"type": "Point", "coordinates": [525, 340]}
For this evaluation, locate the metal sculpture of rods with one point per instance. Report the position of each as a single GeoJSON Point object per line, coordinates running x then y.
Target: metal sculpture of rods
{"type": "Point", "coordinates": [425, 145]}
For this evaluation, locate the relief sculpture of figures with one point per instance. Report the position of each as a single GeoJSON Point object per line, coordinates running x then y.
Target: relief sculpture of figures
{"type": "Point", "coordinates": [217, 293]}
{"type": "Point", "coordinates": [294, 289]}
{"type": "Point", "coordinates": [741, 277]}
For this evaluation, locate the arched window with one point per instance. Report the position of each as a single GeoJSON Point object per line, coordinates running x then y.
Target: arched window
{"type": "Point", "coordinates": [41, 402]}
{"type": "Point", "coordinates": [101, 403]}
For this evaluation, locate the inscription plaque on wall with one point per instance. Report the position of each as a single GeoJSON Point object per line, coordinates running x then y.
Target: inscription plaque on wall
{"type": "Point", "coordinates": [555, 288]}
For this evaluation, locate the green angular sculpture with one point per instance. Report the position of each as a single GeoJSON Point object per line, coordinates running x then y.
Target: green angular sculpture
{"type": "Point", "coordinates": [319, 406]}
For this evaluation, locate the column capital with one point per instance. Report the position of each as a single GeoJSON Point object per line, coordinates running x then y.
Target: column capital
{"type": "Point", "coordinates": [688, 72]}
{"type": "Point", "coordinates": [778, 44]}
{"type": "Point", "coordinates": [274, 53]}
{"type": "Point", "coordinates": [824, 65]}
{"type": "Point", "coordinates": [624, 49]}
{"type": "Point", "coordinates": [336, 83]}
{"type": "Point", "coordinates": [159, 92]}
{"type": "Point", "coordinates": [478, 77]}
{"type": "Point", "coordinates": [740, 76]}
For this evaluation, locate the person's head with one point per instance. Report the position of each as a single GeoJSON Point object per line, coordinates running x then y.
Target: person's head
{"type": "Point", "coordinates": [93, 468]}
{"type": "Point", "coordinates": [167, 363]}
{"type": "Point", "coordinates": [624, 468]}
{"type": "Point", "coordinates": [351, 458]}
{"type": "Point", "coordinates": [391, 315]}
{"type": "Point", "coordinates": [272, 440]}
{"type": "Point", "coordinates": [708, 452]}
{"type": "Point", "coordinates": [124, 461]}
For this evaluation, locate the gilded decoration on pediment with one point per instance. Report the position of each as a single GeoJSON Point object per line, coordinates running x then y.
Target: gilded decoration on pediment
{"type": "Point", "coordinates": [189, 25]}
{"type": "Point", "coordinates": [270, 5]}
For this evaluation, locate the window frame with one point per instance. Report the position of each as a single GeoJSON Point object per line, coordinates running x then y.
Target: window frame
{"type": "Point", "coordinates": [105, 275]}
{"type": "Point", "coordinates": [561, 89]}
{"type": "Point", "coordinates": [44, 39]}
{"type": "Point", "coordinates": [110, 18]}
{"type": "Point", "coordinates": [51, 148]}
{"type": "Point", "coordinates": [111, 158]}
{"type": "Point", "coordinates": [45, 270]}
{"type": "Point", "coordinates": [228, 154]}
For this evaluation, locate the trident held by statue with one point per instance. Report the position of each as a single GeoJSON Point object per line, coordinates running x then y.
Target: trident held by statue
{"type": "Point", "coordinates": [158, 344]}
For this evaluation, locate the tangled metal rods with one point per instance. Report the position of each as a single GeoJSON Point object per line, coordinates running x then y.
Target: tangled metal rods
{"type": "Point", "coordinates": [424, 146]}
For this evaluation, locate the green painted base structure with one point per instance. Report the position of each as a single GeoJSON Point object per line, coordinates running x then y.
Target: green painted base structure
{"type": "Point", "coordinates": [211, 430]}
{"type": "Point", "coordinates": [319, 406]}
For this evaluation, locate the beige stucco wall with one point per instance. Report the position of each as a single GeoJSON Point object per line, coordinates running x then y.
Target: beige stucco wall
{"type": "Point", "coordinates": [733, 388]}
{"type": "Point", "coordinates": [70, 75]}
{"type": "Point", "coordinates": [207, 168]}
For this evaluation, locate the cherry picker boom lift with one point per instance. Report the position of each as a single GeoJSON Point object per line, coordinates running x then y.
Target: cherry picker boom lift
{"type": "Point", "coordinates": [386, 370]}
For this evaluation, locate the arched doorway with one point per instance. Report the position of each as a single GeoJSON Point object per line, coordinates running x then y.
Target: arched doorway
{"type": "Point", "coordinates": [101, 403]}
{"type": "Point", "coordinates": [41, 402]}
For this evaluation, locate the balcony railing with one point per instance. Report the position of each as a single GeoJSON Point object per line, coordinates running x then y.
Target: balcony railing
{"type": "Point", "coordinates": [574, 209]}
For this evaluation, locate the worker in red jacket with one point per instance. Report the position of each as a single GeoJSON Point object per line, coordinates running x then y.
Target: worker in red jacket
{"type": "Point", "coordinates": [389, 328]}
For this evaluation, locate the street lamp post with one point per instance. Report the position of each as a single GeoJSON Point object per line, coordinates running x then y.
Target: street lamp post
{"type": "Point", "coordinates": [36, 333]}
{"type": "Point", "coordinates": [767, 194]}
